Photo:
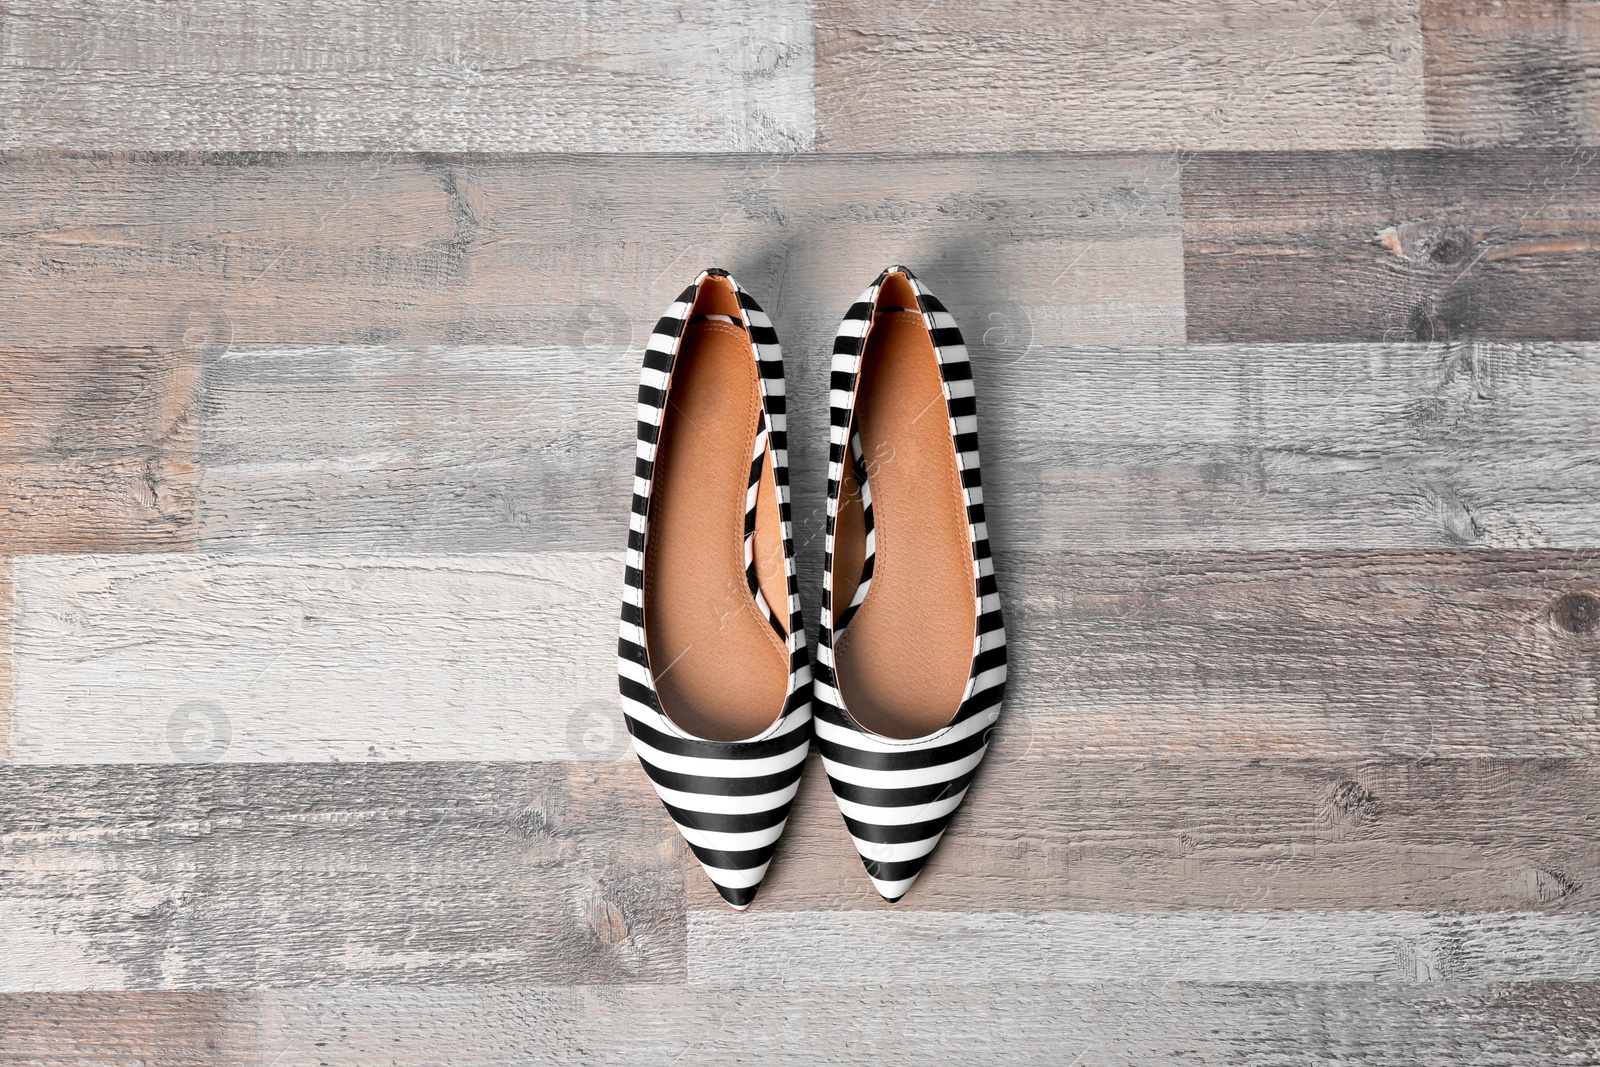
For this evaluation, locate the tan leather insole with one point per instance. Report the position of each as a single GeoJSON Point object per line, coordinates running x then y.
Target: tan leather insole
{"type": "Point", "coordinates": [903, 662]}
{"type": "Point", "coordinates": [721, 670]}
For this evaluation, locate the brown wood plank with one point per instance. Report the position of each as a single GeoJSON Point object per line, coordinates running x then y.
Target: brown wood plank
{"type": "Point", "coordinates": [189, 1029]}
{"type": "Point", "coordinates": [224, 877]}
{"type": "Point", "coordinates": [98, 449]}
{"type": "Point", "coordinates": [1293, 655]}
{"type": "Point", "coordinates": [1512, 72]}
{"type": "Point", "coordinates": [1203, 833]}
{"type": "Point", "coordinates": [1027, 74]}
{"type": "Point", "coordinates": [223, 250]}
{"type": "Point", "coordinates": [1392, 246]}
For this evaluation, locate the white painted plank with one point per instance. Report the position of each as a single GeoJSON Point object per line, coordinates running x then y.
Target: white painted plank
{"type": "Point", "coordinates": [177, 658]}
{"type": "Point", "coordinates": [965, 948]}
{"type": "Point", "coordinates": [481, 75]}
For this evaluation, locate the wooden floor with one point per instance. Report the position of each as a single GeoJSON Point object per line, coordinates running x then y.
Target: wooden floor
{"type": "Point", "coordinates": [319, 333]}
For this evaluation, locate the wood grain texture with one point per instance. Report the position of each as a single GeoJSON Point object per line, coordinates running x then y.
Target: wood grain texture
{"type": "Point", "coordinates": [182, 658]}
{"type": "Point", "coordinates": [116, 1029]}
{"type": "Point", "coordinates": [977, 949]}
{"type": "Point", "coordinates": [7, 654]}
{"type": "Point", "coordinates": [473, 657]}
{"type": "Point", "coordinates": [1392, 246]}
{"type": "Point", "coordinates": [1096, 1025]}
{"type": "Point", "coordinates": [226, 877]}
{"type": "Point", "coordinates": [1022, 74]}
{"type": "Point", "coordinates": [1171, 447]}
{"type": "Point", "coordinates": [1209, 833]}
{"type": "Point", "coordinates": [234, 250]}
{"type": "Point", "coordinates": [1204, 447]}
{"type": "Point", "coordinates": [1099, 1024]}
{"type": "Point", "coordinates": [458, 449]}
{"type": "Point", "coordinates": [488, 75]}
{"type": "Point", "coordinates": [97, 449]}
{"type": "Point", "coordinates": [1297, 655]}
{"type": "Point", "coordinates": [1525, 72]}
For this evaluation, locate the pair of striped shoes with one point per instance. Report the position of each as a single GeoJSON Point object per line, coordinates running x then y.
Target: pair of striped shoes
{"type": "Point", "coordinates": [716, 678]}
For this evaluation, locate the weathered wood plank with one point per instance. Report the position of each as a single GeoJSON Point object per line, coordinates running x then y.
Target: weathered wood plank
{"type": "Point", "coordinates": [488, 75]}
{"type": "Point", "coordinates": [501, 249]}
{"type": "Point", "coordinates": [225, 877]}
{"type": "Point", "coordinates": [437, 449]}
{"type": "Point", "coordinates": [1427, 1024]}
{"type": "Point", "coordinates": [115, 1029]}
{"type": "Point", "coordinates": [1202, 832]}
{"type": "Point", "coordinates": [228, 877]}
{"type": "Point", "coordinates": [357, 657]}
{"type": "Point", "coordinates": [1103, 1024]}
{"type": "Point", "coordinates": [1519, 73]}
{"type": "Point", "coordinates": [1021, 74]}
{"type": "Point", "coordinates": [198, 658]}
{"type": "Point", "coordinates": [497, 448]}
{"type": "Point", "coordinates": [7, 654]}
{"type": "Point", "coordinates": [1272, 446]}
{"type": "Point", "coordinates": [1396, 246]}
{"type": "Point", "coordinates": [1212, 946]}
{"type": "Point", "coordinates": [98, 449]}
{"type": "Point", "coordinates": [1328, 655]}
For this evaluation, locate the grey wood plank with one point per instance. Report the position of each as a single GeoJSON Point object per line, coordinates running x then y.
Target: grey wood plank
{"type": "Point", "coordinates": [849, 949]}
{"type": "Point", "coordinates": [228, 250]}
{"type": "Point", "coordinates": [456, 449]}
{"type": "Point", "coordinates": [1094, 1024]}
{"type": "Point", "coordinates": [226, 877]}
{"type": "Point", "coordinates": [1392, 246]}
{"type": "Point", "coordinates": [7, 654]}
{"type": "Point", "coordinates": [1172, 447]}
{"type": "Point", "coordinates": [1274, 446]}
{"type": "Point", "coordinates": [114, 1029]}
{"type": "Point", "coordinates": [1201, 832]}
{"type": "Point", "coordinates": [490, 75]}
{"type": "Point", "coordinates": [195, 659]}
{"type": "Point", "coordinates": [1336, 654]}
{"type": "Point", "coordinates": [336, 656]}
{"type": "Point", "coordinates": [1500, 74]}
{"type": "Point", "coordinates": [98, 449]}
{"type": "Point", "coordinates": [1024, 74]}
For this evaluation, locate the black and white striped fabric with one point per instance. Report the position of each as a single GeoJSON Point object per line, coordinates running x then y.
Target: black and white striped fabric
{"type": "Point", "coordinates": [730, 800]}
{"type": "Point", "coordinates": [897, 796]}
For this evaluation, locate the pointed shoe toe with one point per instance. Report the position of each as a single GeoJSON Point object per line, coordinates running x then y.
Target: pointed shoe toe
{"type": "Point", "coordinates": [711, 657]}
{"type": "Point", "coordinates": [911, 653]}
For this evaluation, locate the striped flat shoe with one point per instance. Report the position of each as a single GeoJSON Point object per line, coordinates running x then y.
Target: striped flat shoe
{"type": "Point", "coordinates": [712, 663]}
{"type": "Point", "coordinates": [911, 656]}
